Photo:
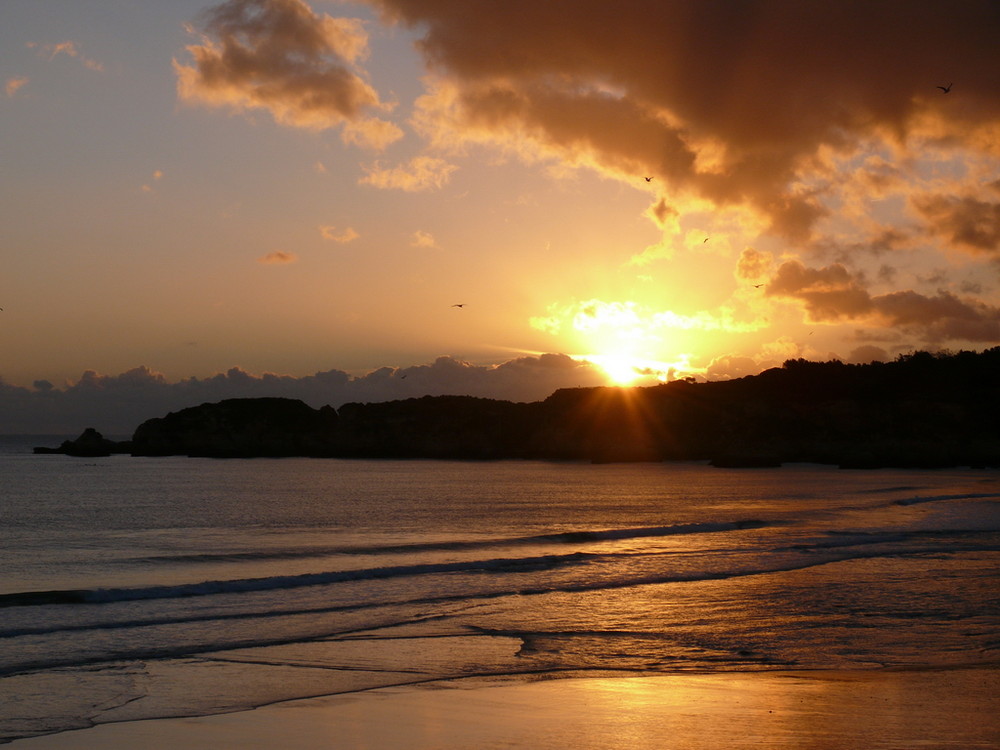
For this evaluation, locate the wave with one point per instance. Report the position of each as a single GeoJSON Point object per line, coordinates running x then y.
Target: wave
{"type": "Point", "coordinates": [501, 565]}
{"type": "Point", "coordinates": [806, 558]}
{"type": "Point", "coordinates": [564, 537]}
{"type": "Point", "coordinates": [248, 585]}
{"type": "Point", "coordinates": [942, 498]}
{"type": "Point", "coordinates": [777, 565]}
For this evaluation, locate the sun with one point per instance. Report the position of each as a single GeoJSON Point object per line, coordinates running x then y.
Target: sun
{"type": "Point", "coordinates": [621, 369]}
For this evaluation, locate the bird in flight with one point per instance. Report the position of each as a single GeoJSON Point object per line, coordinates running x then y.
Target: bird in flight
{"type": "Point", "coordinates": [649, 179]}
{"type": "Point", "coordinates": [705, 240]}
{"type": "Point", "coordinates": [947, 88]}
{"type": "Point", "coordinates": [462, 305]}
{"type": "Point", "coordinates": [757, 286]}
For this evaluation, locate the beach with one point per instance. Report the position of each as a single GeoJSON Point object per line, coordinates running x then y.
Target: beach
{"type": "Point", "coordinates": [185, 603]}
{"type": "Point", "coordinates": [927, 709]}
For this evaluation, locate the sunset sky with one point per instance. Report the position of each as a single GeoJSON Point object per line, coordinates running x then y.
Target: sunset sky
{"type": "Point", "coordinates": [663, 188]}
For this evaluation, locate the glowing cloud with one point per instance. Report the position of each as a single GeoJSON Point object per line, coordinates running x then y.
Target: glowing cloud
{"type": "Point", "coordinates": [51, 51]}
{"type": "Point", "coordinates": [278, 55]}
{"type": "Point", "coordinates": [157, 175]}
{"type": "Point", "coordinates": [422, 173]}
{"type": "Point", "coordinates": [372, 133]}
{"type": "Point", "coordinates": [342, 236]}
{"type": "Point", "coordinates": [13, 85]}
{"type": "Point", "coordinates": [423, 239]}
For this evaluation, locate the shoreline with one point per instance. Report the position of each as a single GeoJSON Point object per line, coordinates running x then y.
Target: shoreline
{"type": "Point", "coordinates": [929, 707]}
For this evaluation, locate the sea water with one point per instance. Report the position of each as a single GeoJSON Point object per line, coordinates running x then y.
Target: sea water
{"type": "Point", "coordinates": [161, 587]}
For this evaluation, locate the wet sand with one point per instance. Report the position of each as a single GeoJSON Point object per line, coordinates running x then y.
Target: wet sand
{"type": "Point", "coordinates": [926, 709]}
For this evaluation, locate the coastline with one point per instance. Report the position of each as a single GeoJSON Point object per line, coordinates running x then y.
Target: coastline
{"type": "Point", "coordinates": [887, 708]}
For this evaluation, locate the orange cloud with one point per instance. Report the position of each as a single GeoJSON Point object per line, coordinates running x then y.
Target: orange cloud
{"type": "Point", "coordinates": [422, 173]}
{"type": "Point", "coordinates": [278, 55]}
{"type": "Point", "coordinates": [65, 48]}
{"type": "Point", "coordinates": [371, 133]}
{"type": "Point", "coordinates": [342, 236]}
{"type": "Point", "coordinates": [278, 257]}
{"type": "Point", "coordinates": [13, 85]}
{"type": "Point", "coordinates": [753, 265]}
{"type": "Point", "coordinates": [423, 239]}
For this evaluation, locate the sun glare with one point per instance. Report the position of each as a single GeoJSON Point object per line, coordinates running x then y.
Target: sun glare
{"type": "Point", "coordinates": [620, 369]}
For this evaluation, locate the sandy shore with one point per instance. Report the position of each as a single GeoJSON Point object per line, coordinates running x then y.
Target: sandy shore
{"type": "Point", "coordinates": [879, 709]}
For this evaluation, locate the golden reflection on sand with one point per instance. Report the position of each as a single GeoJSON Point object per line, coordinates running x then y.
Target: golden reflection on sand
{"type": "Point", "coordinates": [932, 710]}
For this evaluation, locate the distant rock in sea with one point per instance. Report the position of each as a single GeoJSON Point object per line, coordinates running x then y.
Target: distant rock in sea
{"type": "Point", "coordinates": [90, 444]}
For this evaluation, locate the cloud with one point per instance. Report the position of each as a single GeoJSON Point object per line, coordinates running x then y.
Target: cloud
{"type": "Point", "coordinates": [833, 294]}
{"type": "Point", "coordinates": [970, 224]}
{"type": "Point", "coordinates": [730, 367]}
{"type": "Point", "coordinates": [371, 133]}
{"type": "Point", "coordinates": [828, 294]}
{"type": "Point", "coordinates": [277, 258]}
{"type": "Point", "coordinates": [15, 84]}
{"type": "Point", "coordinates": [753, 265]}
{"type": "Point", "coordinates": [736, 103]}
{"type": "Point", "coordinates": [664, 215]}
{"type": "Point", "coordinates": [157, 175]}
{"type": "Point", "coordinates": [863, 355]}
{"type": "Point", "coordinates": [117, 404]}
{"type": "Point", "coordinates": [51, 51]}
{"type": "Point", "coordinates": [421, 173]}
{"type": "Point", "coordinates": [280, 56]}
{"type": "Point", "coordinates": [423, 239]}
{"type": "Point", "coordinates": [342, 236]}
{"type": "Point", "coordinates": [605, 323]}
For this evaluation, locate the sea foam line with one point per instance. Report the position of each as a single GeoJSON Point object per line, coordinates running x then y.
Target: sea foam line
{"type": "Point", "coordinates": [565, 537]}
{"type": "Point", "coordinates": [247, 585]}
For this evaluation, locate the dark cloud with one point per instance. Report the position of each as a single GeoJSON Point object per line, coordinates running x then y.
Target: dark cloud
{"type": "Point", "coordinates": [828, 294]}
{"type": "Point", "coordinates": [834, 294]}
{"type": "Point", "coordinates": [971, 224]}
{"type": "Point", "coordinates": [752, 265]}
{"type": "Point", "coordinates": [729, 100]}
{"type": "Point", "coordinates": [941, 318]}
{"type": "Point", "coordinates": [277, 258]}
{"type": "Point", "coordinates": [862, 355]}
{"type": "Point", "coordinates": [280, 56]}
{"type": "Point", "coordinates": [117, 404]}
{"type": "Point", "coordinates": [663, 214]}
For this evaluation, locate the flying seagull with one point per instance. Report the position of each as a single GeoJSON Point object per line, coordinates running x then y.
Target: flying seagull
{"type": "Point", "coordinates": [757, 286]}
{"type": "Point", "coordinates": [705, 240]}
{"type": "Point", "coordinates": [462, 305]}
{"type": "Point", "coordinates": [649, 179]}
{"type": "Point", "coordinates": [947, 88]}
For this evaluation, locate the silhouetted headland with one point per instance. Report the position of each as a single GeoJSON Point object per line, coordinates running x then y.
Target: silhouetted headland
{"type": "Point", "coordinates": [922, 410]}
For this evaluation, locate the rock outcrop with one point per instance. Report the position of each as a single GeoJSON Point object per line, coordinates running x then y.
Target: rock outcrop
{"type": "Point", "coordinates": [90, 444]}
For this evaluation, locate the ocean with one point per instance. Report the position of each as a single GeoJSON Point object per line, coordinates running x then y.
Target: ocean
{"type": "Point", "coordinates": [167, 587]}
